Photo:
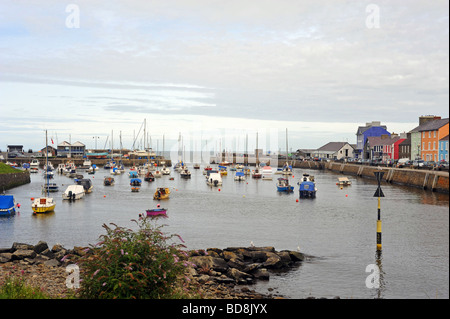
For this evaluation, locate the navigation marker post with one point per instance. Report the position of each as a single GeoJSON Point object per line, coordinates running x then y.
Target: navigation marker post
{"type": "Point", "coordinates": [379, 194]}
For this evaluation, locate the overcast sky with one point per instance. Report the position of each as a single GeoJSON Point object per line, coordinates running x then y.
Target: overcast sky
{"type": "Point", "coordinates": [219, 70]}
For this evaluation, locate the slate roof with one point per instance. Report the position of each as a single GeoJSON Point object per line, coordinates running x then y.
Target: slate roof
{"type": "Point", "coordinates": [433, 125]}
{"type": "Point", "coordinates": [444, 138]}
{"type": "Point", "coordinates": [332, 146]}
{"type": "Point", "coordinates": [377, 140]}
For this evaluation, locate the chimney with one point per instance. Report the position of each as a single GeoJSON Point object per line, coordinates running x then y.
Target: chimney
{"type": "Point", "coordinates": [426, 118]}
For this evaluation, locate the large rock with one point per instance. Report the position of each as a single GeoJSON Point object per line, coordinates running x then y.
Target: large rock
{"type": "Point", "coordinates": [5, 257]}
{"type": "Point", "coordinates": [40, 247]}
{"type": "Point", "coordinates": [261, 274]}
{"type": "Point", "coordinates": [22, 254]}
{"type": "Point", "coordinates": [21, 246]}
{"type": "Point", "coordinates": [237, 274]}
{"type": "Point", "coordinates": [217, 264]}
{"type": "Point", "coordinates": [296, 256]}
{"type": "Point", "coordinates": [273, 261]}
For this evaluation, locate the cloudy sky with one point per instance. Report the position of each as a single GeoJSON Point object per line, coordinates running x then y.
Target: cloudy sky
{"type": "Point", "coordinates": [219, 70]}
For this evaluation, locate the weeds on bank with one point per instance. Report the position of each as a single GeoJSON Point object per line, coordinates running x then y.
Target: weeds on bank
{"type": "Point", "coordinates": [129, 264]}
{"type": "Point", "coordinates": [16, 288]}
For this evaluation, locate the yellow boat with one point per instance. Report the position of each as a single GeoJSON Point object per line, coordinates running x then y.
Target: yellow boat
{"type": "Point", "coordinates": [161, 193]}
{"type": "Point", "coordinates": [43, 205]}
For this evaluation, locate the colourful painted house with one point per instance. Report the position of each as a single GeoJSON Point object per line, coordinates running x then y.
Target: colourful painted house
{"type": "Point", "coordinates": [431, 133]}
{"type": "Point", "coordinates": [443, 149]}
{"type": "Point", "coordinates": [372, 129]}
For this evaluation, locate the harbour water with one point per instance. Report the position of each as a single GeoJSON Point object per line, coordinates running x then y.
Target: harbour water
{"type": "Point", "coordinates": [338, 228]}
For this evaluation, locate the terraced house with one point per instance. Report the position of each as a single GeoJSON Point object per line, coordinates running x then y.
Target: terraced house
{"type": "Point", "coordinates": [443, 149]}
{"type": "Point", "coordinates": [430, 135]}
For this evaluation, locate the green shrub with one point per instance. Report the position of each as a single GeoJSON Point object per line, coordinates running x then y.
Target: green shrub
{"type": "Point", "coordinates": [16, 288]}
{"type": "Point", "coordinates": [132, 264]}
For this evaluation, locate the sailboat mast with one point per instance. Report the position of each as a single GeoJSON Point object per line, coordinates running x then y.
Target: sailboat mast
{"type": "Point", "coordinates": [287, 154]}
{"type": "Point", "coordinates": [46, 160]}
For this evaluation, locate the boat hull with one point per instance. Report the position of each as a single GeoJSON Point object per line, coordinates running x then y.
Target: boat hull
{"type": "Point", "coordinates": [159, 212]}
{"type": "Point", "coordinates": [286, 189]}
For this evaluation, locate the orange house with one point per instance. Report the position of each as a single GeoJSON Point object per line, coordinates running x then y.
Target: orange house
{"type": "Point", "coordinates": [430, 135]}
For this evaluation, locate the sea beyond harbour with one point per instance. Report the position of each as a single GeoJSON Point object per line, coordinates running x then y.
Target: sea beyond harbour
{"type": "Point", "coordinates": [338, 227]}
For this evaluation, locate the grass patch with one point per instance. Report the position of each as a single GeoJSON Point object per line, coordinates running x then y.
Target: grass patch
{"type": "Point", "coordinates": [17, 288]}
{"type": "Point", "coordinates": [6, 169]}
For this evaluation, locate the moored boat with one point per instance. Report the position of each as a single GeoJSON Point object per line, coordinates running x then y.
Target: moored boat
{"type": "Point", "coordinates": [214, 179]}
{"type": "Point", "coordinates": [157, 212]}
{"type": "Point", "coordinates": [7, 205]}
{"type": "Point", "coordinates": [135, 184]}
{"type": "Point", "coordinates": [284, 186]}
{"type": "Point", "coordinates": [73, 192]}
{"type": "Point", "coordinates": [240, 176]}
{"type": "Point", "coordinates": [42, 205]}
{"type": "Point", "coordinates": [108, 181]}
{"type": "Point", "coordinates": [307, 187]}
{"type": "Point", "coordinates": [343, 181]}
{"type": "Point", "coordinates": [149, 177]}
{"type": "Point", "coordinates": [185, 173]}
{"type": "Point", "coordinates": [86, 183]}
{"type": "Point", "coordinates": [161, 193]}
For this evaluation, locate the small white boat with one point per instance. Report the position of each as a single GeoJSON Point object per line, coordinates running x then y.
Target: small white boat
{"type": "Point", "coordinates": [157, 173]}
{"type": "Point", "coordinates": [34, 164]}
{"type": "Point", "coordinates": [73, 192]}
{"type": "Point", "coordinates": [165, 171]}
{"type": "Point", "coordinates": [343, 181]}
{"type": "Point", "coordinates": [86, 164]}
{"type": "Point", "coordinates": [267, 173]}
{"type": "Point", "coordinates": [185, 173]}
{"type": "Point", "coordinates": [214, 179]}
{"type": "Point", "coordinates": [240, 176]}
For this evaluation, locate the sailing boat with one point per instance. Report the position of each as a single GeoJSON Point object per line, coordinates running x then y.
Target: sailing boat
{"type": "Point", "coordinates": [44, 204]}
{"type": "Point", "coordinates": [287, 169]}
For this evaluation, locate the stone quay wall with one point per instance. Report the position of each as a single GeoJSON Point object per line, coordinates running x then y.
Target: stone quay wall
{"type": "Point", "coordinates": [436, 181]}
{"type": "Point", "coordinates": [11, 180]}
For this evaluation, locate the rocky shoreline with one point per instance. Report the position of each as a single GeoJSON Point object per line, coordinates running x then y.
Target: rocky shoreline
{"type": "Point", "coordinates": [215, 273]}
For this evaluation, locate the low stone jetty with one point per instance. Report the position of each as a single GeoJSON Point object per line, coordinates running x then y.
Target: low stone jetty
{"type": "Point", "coordinates": [216, 273]}
{"type": "Point", "coordinates": [242, 265]}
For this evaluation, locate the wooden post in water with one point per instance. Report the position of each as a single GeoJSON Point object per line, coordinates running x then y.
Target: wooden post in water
{"type": "Point", "coordinates": [379, 194]}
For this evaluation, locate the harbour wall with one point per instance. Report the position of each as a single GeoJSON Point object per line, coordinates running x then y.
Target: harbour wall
{"type": "Point", "coordinates": [436, 181]}
{"type": "Point", "coordinates": [99, 162]}
{"type": "Point", "coordinates": [11, 180]}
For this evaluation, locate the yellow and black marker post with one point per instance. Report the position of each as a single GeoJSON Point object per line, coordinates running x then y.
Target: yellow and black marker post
{"type": "Point", "coordinates": [379, 194]}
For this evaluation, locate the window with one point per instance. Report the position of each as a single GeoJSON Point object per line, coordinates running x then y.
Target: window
{"type": "Point", "coordinates": [434, 133]}
{"type": "Point", "coordinates": [429, 134]}
{"type": "Point", "coordinates": [446, 145]}
{"type": "Point", "coordinates": [423, 146]}
{"type": "Point", "coordinates": [434, 145]}
{"type": "Point", "coordinates": [423, 134]}
{"type": "Point", "coordinates": [429, 145]}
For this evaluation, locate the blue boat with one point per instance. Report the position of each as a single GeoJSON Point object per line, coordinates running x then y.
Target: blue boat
{"type": "Point", "coordinates": [283, 185]}
{"type": "Point", "coordinates": [133, 174]}
{"type": "Point", "coordinates": [135, 184]}
{"type": "Point", "coordinates": [240, 176]}
{"type": "Point", "coordinates": [7, 205]}
{"type": "Point", "coordinates": [307, 187]}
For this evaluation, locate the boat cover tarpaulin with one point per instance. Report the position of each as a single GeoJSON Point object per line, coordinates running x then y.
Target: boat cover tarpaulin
{"type": "Point", "coordinates": [7, 205]}
{"type": "Point", "coordinates": [307, 186]}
